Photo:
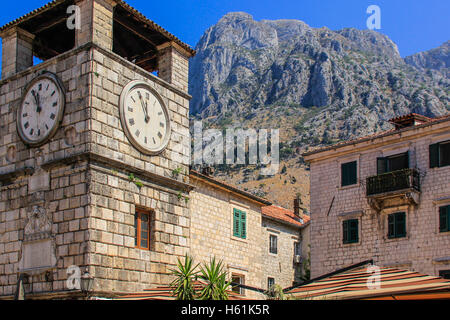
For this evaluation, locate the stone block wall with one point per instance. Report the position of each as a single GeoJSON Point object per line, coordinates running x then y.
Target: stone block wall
{"type": "Point", "coordinates": [110, 74]}
{"type": "Point", "coordinates": [212, 233]}
{"type": "Point", "coordinates": [63, 191]}
{"type": "Point", "coordinates": [280, 266]}
{"type": "Point", "coordinates": [424, 249]}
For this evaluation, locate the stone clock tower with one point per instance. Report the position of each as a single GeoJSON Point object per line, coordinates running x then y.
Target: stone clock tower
{"type": "Point", "coordinates": [94, 151]}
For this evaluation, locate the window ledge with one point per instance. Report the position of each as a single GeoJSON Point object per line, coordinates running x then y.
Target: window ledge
{"type": "Point", "coordinates": [352, 244]}
{"type": "Point", "coordinates": [239, 239]}
{"type": "Point", "coordinates": [386, 239]}
{"type": "Point", "coordinates": [348, 187]}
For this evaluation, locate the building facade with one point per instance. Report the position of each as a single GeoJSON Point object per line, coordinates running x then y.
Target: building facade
{"type": "Point", "coordinates": [286, 246]}
{"type": "Point", "coordinates": [384, 197]}
{"type": "Point", "coordinates": [77, 189]}
{"type": "Point", "coordinates": [94, 147]}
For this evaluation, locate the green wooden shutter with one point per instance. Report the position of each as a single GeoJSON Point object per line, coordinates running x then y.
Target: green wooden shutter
{"type": "Point", "coordinates": [345, 231]}
{"type": "Point", "coordinates": [243, 225]}
{"type": "Point", "coordinates": [443, 218]}
{"type": "Point", "coordinates": [352, 174]}
{"type": "Point", "coordinates": [236, 223]}
{"type": "Point", "coordinates": [434, 155]}
{"type": "Point", "coordinates": [354, 230]}
{"type": "Point", "coordinates": [348, 173]}
{"type": "Point", "coordinates": [391, 224]}
{"type": "Point", "coordinates": [400, 224]}
{"type": "Point", "coordinates": [381, 165]}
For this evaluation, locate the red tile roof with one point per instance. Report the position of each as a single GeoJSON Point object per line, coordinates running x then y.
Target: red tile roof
{"type": "Point", "coordinates": [284, 215]}
{"type": "Point", "coordinates": [126, 6]}
{"type": "Point", "coordinates": [431, 121]}
{"type": "Point", "coordinates": [395, 284]}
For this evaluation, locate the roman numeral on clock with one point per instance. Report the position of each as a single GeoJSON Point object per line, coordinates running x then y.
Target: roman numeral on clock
{"type": "Point", "coordinates": [52, 116]}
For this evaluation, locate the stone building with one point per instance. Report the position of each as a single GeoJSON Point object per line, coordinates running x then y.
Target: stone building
{"type": "Point", "coordinates": [384, 197]}
{"type": "Point", "coordinates": [94, 146]}
{"type": "Point", "coordinates": [285, 245]}
{"type": "Point", "coordinates": [78, 185]}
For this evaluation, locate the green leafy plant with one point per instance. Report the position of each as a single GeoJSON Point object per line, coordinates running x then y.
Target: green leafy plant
{"type": "Point", "coordinates": [216, 284]}
{"type": "Point", "coordinates": [275, 292]}
{"type": "Point", "coordinates": [176, 172]}
{"type": "Point", "coordinates": [136, 181]}
{"type": "Point", "coordinates": [185, 274]}
{"type": "Point", "coordinates": [182, 197]}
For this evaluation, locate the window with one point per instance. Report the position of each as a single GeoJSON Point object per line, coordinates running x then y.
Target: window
{"type": "Point", "coordinates": [444, 219]}
{"type": "Point", "coordinates": [350, 231]}
{"type": "Point", "coordinates": [444, 274]}
{"type": "Point", "coordinates": [440, 154]}
{"type": "Point", "coordinates": [237, 279]}
{"type": "Point", "coordinates": [297, 249]}
{"type": "Point", "coordinates": [396, 225]}
{"type": "Point", "coordinates": [239, 224]}
{"type": "Point", "coordinates": [393, 163]}
{"type": "Point", "coordinates": [273, 244]}
{"type": "Point", "coordinates": [270, 283]}
{"type": "Point", "coordinates": [348, 174]}
{"type": "Point", "coordinates": [142, 229]}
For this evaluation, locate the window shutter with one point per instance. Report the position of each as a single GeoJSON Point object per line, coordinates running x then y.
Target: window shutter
{"type": "Point", "coordinates": [400, 224]}
{"type": "Point", "coordinates": [381, 165]}
{"type": "Point", "coordinates": [391, 231]}
{"type": "Point", "coordinates": [343, 175]}
{"type": "Point", "coordinates": [345, 231]}
{"type": "Point", "coordinates": [354, 230]}
{"type": "Point", "coordinates": [407, 157]}
{"type": "Point", "coordinates": [236, 223]}
{"type": "Point", "coordinates": [243, 225]}
{"type": "Point", "coordinates": [352, 174]}
{"type": "Point", "coordinates": [443, 218]}
{"type": "Point", "coordinates": [434, 155]}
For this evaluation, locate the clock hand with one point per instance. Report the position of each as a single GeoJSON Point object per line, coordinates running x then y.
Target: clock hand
{"type": "Point", "coordinates": [147, 118]}
{"type": "Point", "coordinates": [39, 109]}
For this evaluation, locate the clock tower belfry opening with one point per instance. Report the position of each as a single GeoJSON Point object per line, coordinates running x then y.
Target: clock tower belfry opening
{"type": "Point", "coordinates": [109, 24]}
{"type": "Point", "coordinates": [90, 140]}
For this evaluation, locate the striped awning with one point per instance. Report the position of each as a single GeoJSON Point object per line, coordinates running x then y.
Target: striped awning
{"type": "Point", "coordinates": [165, 293]}
{"type": "Point", "coordinates": [358, 284]}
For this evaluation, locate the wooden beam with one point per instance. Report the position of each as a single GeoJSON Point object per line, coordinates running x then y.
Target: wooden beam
{"type": "Point", "coordinates": [49, 25]}
{"type": "Point", "coordinates": [132, 30]}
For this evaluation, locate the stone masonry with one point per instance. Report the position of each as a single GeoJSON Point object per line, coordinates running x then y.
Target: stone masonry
{"type": "Point", "coordinates": [424, 249]}
{"type": "Point", "coordinates": [96, 178]}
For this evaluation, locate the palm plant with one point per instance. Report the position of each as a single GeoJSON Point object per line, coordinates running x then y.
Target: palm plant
{"type": "Point", "coordinates": [216, 283]}
{"type": "Point", "coordinates": [276, 292]}
{"type": "Point", "coordinates": [185, 274]}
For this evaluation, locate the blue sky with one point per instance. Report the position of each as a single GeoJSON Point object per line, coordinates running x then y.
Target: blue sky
{"type": "Point", "coordinates": [414, 25]}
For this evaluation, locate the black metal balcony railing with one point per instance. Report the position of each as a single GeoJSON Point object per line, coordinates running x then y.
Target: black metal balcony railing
{"type": "Point", "coordinates": [393, 181]}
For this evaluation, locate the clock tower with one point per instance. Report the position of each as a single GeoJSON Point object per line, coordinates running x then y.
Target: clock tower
{"type": "Point", "coordinates": [94, 151]}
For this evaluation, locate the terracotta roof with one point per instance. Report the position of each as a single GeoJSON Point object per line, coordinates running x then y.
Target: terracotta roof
{"type": "Point", "coordinates": [409, 116]}
{"type": "Point", "coordinates": [122, 3]}
{"type": "Point", "coordinates": [165, 293]}
{"type": "Point", "coordinates": [395, 284]}
{"type": "Point", "coordinates": [431, 121]}
{"type": "Point", "coordinates": [284, 215]}
{"type": "Point", "coordinates": [224, 185]}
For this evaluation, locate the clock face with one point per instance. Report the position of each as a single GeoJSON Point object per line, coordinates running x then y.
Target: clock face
{"type": "Point", "coordinates": [145, 118]}
{"type": "Point", "coordinates": [41, 110]}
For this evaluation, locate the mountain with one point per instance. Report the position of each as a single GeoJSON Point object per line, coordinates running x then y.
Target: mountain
{"type": "Point", "coordinates": [437, 59]}
{"type": "Point", "coordinates": [317, 85]}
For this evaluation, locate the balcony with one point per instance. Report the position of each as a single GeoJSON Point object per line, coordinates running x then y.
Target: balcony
{"type": "Point", "coordinates": [396, 187]}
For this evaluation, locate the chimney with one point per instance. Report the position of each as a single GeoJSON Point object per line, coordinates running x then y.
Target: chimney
{"type": "Point", "coordinates": [409, 120]}
{"type": "Point", "coordinates": [297, 207]}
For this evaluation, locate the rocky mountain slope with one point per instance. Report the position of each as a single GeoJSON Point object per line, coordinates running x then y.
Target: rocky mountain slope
{"type": "Point", "coordinates": [317, 85]}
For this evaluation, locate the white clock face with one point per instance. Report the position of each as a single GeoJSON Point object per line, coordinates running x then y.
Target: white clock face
{"type": "Point", "coordinates": [41, 110]}
{"type": "Point", "coordinates": [145, 118]}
